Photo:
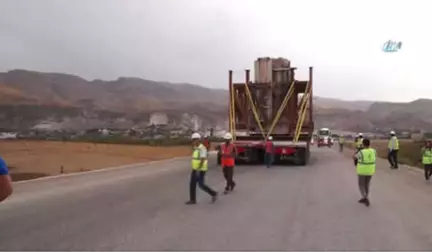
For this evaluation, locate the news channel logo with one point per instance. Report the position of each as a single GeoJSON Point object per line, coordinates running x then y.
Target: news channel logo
{"type": "Point", "coordinates": [391, 46]}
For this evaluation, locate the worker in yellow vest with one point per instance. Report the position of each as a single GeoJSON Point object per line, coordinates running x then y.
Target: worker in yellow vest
{"type": "Point", "coordinates": [358, 144]}
{"type": "Point", "coordinates": [427, 159]}
{"type": "Point", "coordinates": [199, 169]}
{"type": "Point", "coordinates": [341, 143]}
{"type": "Point", "coordinates": [393, 149]}
{"type": "Point", "coordinates": [366, 162]}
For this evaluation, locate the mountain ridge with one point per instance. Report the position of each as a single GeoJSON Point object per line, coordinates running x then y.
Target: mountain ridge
{"type": "Point", "coordinates": [132, 97]}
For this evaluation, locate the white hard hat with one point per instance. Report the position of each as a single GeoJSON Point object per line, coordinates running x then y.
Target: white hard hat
{"type": "Point", "coordinates": [196, 136]}
{"type": "Point", "coordinates": [392, 132]}
{"type": "Point", "coordinates": [227, 136]}
{"type": "Point", "coordinates": [270, 138]}
{"type": "Point", "coordinates": [360, 134]}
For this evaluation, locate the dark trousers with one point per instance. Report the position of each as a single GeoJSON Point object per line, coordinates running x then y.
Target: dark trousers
{"type": "Point", "coordinates": [341, 147]}
{"type": "Point", "coordinates": [427, 171]}
{"type": "Point", "coordinates": [268, 159]}
{"type": "Point", "coordinates": [355, 160]}
{"type": "Point", "coordinates": [197, 177]}
{"type": "Point", "coordinates": [364, 183]}
{"type": "Point", "coordinates": [228, 172]}
{"type": "Point", "coordinates": [393, 158]}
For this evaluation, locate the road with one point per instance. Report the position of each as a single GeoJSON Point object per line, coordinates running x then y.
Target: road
{"type": "Point", "coordinates": [283, 208]}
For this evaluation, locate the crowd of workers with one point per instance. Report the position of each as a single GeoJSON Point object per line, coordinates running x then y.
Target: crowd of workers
{"type": "Point", "coordinates": [364, 159]}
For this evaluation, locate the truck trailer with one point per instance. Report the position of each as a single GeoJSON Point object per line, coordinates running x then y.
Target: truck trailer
{"type": "Point", "coordinates": [274, 104]}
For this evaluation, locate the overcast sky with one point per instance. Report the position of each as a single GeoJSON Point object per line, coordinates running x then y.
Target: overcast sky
{"type": "Point", "coordinates": [197, 41]}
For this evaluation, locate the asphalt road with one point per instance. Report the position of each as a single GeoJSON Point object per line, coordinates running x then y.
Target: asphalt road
{"type": "Point", "coordinates": [283, 208]}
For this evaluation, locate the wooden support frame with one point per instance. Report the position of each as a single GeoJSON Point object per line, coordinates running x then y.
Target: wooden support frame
{"type": "Point", "coordinates": [245, 120]}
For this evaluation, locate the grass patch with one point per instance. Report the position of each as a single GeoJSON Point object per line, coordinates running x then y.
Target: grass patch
{"type": "Point", "coordinates": [409, 151]}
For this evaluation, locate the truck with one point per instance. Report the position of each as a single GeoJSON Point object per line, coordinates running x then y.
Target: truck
{"type": "Point", "coordinates": [324, 137]}
{"type": "Point", "coordinates": [274, 104]}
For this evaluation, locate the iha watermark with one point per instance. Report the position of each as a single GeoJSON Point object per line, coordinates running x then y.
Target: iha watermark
{"type": "Point", "coordinates": [391, 46]}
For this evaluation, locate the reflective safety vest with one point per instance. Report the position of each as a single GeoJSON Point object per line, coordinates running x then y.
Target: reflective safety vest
{"type": "Point", "coordinates": [426, 156]}
{"type": "Point", "coordinates": [341, 140]}
{"type": "Point", "coordinates": [196, 159]}
{"type": "Point", "coordinates": [227, 155]}
{"type": "Point", "coordinates": [393, 143]}
{"type": "Point", "coordinates": [366, 162]}
{"type": "Point", "coordinates": [359, 143]}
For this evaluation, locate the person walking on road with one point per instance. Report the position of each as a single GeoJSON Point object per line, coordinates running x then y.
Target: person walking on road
{"type": "Point", "coordinates": [359, 145]}
{"type": "Point", "coordinates": [5, 181]}
{"type": "Point", "coordinates": [427, 159]}
{"type": "Point", "coordinates": [228, 154]}
{"type": "Point", "coordinates": [341, 143]}
{"type": "Point", "coordinates": [199, 169]}
{"type": "Point", "coordinates": [269, 149]}
{"type": "Point", "coordinates": [366, 162]}
{"type": "Point", "coordinates": [393, 149]}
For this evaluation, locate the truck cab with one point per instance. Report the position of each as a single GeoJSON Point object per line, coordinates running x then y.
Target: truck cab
{"type": "Point", "coordinates": [324, 138]}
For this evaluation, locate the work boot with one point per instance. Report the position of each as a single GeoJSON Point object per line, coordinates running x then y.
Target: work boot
{"type": "Point", "coordinates": [190, 202]}
{"type": "Point", "coordinates": [214, 198]}
{"type": "Point", "coordinates": [227, 189]}
{"type": "Point", "coordinates": [232, 187]}
{"type": "Point", "coordinates": [362, 200]}
{"type": "Point", "coordinates": [367, 202]}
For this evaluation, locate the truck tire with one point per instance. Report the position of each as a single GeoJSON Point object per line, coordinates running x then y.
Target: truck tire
{"type": "Point", "coordinates": [302, 156]}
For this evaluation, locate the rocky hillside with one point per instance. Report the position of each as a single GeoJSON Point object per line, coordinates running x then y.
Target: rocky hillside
{"type": "Point", "coordinates": [28, 98]}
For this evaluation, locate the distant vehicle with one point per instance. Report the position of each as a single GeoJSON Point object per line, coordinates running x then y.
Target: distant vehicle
{"type": "Point", "coordinates": [324, 137]}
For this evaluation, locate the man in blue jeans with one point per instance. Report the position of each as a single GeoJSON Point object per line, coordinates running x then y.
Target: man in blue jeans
{"type": "Point", "coordinates": [5, 181]}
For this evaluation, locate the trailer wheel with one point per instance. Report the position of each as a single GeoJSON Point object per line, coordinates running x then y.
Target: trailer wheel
{"type": "Point", "coordinates": [302, 156]}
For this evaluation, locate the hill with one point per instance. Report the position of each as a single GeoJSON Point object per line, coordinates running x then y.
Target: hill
{"type": "Point", "coordinates": [330, 103]}
{"type": "Point", "coordinates": [28, 98]}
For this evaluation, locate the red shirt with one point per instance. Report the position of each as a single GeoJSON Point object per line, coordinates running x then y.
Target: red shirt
{"type": "Point", "coordinates": [269, 147]}
{"type": "Point", "coordinates": [206, 143]}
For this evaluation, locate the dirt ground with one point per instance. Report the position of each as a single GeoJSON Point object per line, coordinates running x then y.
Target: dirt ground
{"type": "Point", "coordinates": [31, 159]}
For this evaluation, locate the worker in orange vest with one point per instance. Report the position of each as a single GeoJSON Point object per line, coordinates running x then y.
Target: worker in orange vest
{"type": "Point", "coordinates": [228, 154]}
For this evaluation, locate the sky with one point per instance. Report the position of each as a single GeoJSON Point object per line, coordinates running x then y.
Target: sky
{"type": "Point", "coordinates": [198, 41]}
